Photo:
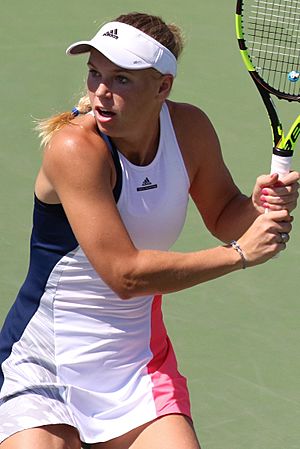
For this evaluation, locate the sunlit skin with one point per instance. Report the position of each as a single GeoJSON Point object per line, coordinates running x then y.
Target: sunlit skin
{"type": "Point", "coordinates": [126, 104]}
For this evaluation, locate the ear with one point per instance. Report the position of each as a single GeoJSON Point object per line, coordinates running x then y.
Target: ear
{"type": "Point", "coordinates": [165, 86]}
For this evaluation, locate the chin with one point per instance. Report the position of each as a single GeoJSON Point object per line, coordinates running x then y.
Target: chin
{"type": "Point", "coordinates": [108, 130]}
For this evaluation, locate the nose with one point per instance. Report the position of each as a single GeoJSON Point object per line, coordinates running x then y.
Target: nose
{"type": "Point", "coordinates": [103, 90]}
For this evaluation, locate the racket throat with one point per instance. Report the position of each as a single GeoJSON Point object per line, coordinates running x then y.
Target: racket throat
{"type": "Point", "coordinates": [286, 144]}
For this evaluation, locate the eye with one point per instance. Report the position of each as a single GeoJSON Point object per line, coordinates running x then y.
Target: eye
{"type": "Point", "coordinates": [93, 73]}
{"type": "Point", "coordinates": [122, 79]}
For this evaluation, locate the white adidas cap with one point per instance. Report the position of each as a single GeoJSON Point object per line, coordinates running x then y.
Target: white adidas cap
{"type": "Point", "coordinates": [129, 48]}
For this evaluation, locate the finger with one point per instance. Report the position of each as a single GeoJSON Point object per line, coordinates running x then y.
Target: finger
{"type": "Point", "coordinates": [279, 200]}
{"type": "Point", "coordinates": [281, 191]}
{"type": "Point", "coordinates": [267, 180]}
{"type": "Point", "coordinates": [276, 207]}
{"type": "Point", "coordinates": [290, 178]}
{"type": "Point", "coordinates": [282, 237]}
{"type": "Point", "coordinates": [282, 246]}
{"type": "Point", "coordinates": [278, 216]}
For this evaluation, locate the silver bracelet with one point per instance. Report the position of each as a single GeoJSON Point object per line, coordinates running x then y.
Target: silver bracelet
{"type": "Point", "coordinates": [237, 247]}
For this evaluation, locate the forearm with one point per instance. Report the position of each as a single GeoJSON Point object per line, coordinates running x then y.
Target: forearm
{"type": "Point", "coordinates": [235, 218]}
{"type": "Point", "coordinates": [153, 272]}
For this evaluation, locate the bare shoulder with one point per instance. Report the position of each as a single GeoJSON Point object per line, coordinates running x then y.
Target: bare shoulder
{"type": "Point", "coordinates": [184, 110]}
{"type": "Point", "coordinates": [78, 139]}
{"type": "Point", "coordinates": [75, 151]}
{"type": "Point", "coordinates": [187, 117]}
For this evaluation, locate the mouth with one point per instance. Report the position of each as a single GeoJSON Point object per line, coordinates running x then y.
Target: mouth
{"type": "Point", "coordinates": [104, 113]}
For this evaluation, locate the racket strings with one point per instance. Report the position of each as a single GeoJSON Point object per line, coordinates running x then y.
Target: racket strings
{"type": "Point", "coordinates": [272, 33]}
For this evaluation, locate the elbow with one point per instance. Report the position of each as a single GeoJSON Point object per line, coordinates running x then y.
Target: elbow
{"type": "Point", "coordinates": [127, 284]}
{"type": "Point", "coordinates": [125, 295]}
{"type": "Point", "coordinates": [127, 276]}
{"type": "Point", "coordinates": [125, 290]}
{"type": "Point", "coordinates": [122, 290]}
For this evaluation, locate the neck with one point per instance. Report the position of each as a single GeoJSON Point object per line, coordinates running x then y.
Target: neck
{"type": "Point", "coordinates": [141, 148]}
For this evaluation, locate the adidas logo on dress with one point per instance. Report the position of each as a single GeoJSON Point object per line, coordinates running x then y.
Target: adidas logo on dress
{"type": "Point", "coordinates": [147, 185]}
{"type": "Point", "coordinates": [146, 182]}
{"type": "Point", "coordinates": [112, 33]}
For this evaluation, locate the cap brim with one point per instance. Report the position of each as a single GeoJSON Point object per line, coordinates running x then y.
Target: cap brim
{"type": "Point", "coordinates": [79, 47]}
{"type": "Point", "coordinates": [119, 56]}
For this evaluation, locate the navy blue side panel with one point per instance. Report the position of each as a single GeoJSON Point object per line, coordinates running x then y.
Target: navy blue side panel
{"type": "Point", "coordinates": [117, 164]}
{"type": "Point", "coordinates": [52, 238]}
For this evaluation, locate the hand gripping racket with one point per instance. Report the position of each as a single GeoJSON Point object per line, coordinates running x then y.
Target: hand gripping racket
{"type": "Point", "coordinates": [268, 33]}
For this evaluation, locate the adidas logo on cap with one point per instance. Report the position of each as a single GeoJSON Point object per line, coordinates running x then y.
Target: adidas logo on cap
{"type": "Point", "coordinates": [112, 33]}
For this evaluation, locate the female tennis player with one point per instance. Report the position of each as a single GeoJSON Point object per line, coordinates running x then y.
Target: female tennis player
{"type": "Point", "coordinates": [85, 356]}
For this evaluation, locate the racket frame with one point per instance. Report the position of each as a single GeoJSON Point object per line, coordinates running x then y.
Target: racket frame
{"type": "Point", "coordinates": [283, 145]}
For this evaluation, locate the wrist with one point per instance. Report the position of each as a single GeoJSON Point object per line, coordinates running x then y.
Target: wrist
{"type": "Point", "coordinates": [242, 257]}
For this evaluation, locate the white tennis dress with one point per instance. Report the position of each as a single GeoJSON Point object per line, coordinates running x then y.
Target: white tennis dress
{"type": "Point", "coordinates": [71, 351]}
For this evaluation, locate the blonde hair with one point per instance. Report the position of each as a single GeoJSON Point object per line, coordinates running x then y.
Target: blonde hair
{"type": "Point", "coordinates": [168, 35]}
{"type": "Point", "coordinates": [47, 127]}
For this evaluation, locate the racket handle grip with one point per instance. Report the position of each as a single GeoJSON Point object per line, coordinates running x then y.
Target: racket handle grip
{"type": "Point", "coordinates": [281, 164]}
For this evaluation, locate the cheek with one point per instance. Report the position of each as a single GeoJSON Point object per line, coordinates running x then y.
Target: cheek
{"type": "Point", "coordinates": [92, 84]}
{"type": "Point", "coordinates": [91, 95]}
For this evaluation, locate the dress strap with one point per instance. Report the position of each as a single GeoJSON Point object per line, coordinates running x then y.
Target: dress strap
{"type": "Point", "coordinates": [114, 152]}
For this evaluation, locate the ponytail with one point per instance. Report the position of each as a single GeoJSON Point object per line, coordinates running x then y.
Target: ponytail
{"type": "Point", "coordinates": [47, 127]}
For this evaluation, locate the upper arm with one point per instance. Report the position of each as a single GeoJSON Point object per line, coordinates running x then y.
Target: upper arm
{"type": "Point", "coordinates": [212, 187]}
{"type": "Point", "coordinates": [81, 174]}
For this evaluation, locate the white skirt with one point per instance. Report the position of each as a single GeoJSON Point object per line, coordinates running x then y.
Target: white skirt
{"type": "Point", "coordinates": [103, 370]}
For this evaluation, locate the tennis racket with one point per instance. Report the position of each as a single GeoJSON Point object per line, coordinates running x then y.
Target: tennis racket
{"type": "Point", "coordinates": [268, 33]}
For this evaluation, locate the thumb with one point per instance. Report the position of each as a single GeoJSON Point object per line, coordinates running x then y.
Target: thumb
{"type": "Point", "coordinates": [267, 180]}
